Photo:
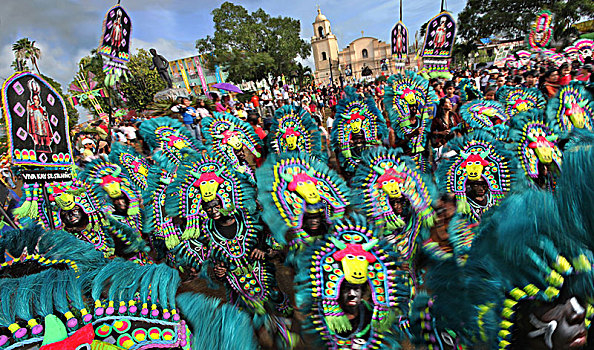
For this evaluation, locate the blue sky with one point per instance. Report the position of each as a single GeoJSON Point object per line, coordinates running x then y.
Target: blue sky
{"type": "Point", "coordinates": [67, 30]}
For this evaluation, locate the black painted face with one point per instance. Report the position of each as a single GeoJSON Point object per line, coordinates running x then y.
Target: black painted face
{"type": "Point", "coordinates": [120, 204]}
{"type": "Point", "coordinates": [74, 217]}
{"type": "Point", "coordinates": [350, 296]}
{"type": "Point", "coordinates": [559, 325]}
{"type": "Point", "coordinates": [312, 221]}
{"type": "Point", "coordinates": [477, 191]}
{"type": "Point", "coordinates": [213, 208]}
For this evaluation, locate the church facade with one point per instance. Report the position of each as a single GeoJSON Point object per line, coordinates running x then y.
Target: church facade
{"type": "Point", "coordinates": [364, 58]}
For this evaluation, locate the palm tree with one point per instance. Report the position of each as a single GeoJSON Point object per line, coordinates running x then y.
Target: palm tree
{"type": "Point", "coordinates": [25, 50]}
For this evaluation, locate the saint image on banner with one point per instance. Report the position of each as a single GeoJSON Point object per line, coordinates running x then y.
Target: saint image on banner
{"type": "Point", "coordinates": [117, 28]}
{"type": "Point", "coordinates": [38, 125]}
{"type": "Point", "coordinates": [400, 41]}
{"type": "Point", "coordinates": [440, 36]}
{"type": "Point", "coordinates": [37, 122]}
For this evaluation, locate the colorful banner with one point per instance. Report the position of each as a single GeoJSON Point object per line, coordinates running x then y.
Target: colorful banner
{"type": "Point", "coordinates": [218, 74]}
{"type": "Point", "coordinates": [541, 33]}
{"type": "Point", "coordinates": [37, 122]}
{"type": "Point", "coordinates": [201, 75]}
{"type": "Point", "coordinates": [399, 40]}
{"type": "Point", "coordinates": [440, 36]}
{"type": "Point", "coordinates": [117, 30]}
{"type": "Point", "coordinates": [184, 75]}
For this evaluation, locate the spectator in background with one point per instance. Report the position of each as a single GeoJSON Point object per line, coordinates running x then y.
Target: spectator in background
{"type": "Point", "coordinates": [445, 119]}
{"type": "Point", "coordinates": [564, 74]}
{"type": "Point", "coordinates": [550, 84]}
{"type": "Point", "coordinates": [255, 121]}
{"type": "Point", "coordinates": [188, 115]}
{"type": "Point", "coordinates": [585, 73]}
{"type": "Point", "coordinates": [490, 93]}
{"type": "Point", "coordinates": [500, 82]}
{"type": "Point", "coordinates": [330, 119]}
{"type": "Point", "coordinates": [454, 99]}
{"type": "Point", "coordinates": [484, 81]}
{"type": "Point", "coordinates": [530, 79]}
{"type": "Point", "coordinates": [218, 105]}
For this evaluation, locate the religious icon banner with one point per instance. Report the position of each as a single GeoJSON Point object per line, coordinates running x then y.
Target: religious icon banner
{"type": "Point", "coordinates": [117, 28]}
{"type": "Point", "coordinates": [440, 36]}
{"type": "Point", "coordinates": [399, 40]}
{"type": "Point", "coordinates": [37, 122]}
{"type": "Point", "coordinates": [541, 33]}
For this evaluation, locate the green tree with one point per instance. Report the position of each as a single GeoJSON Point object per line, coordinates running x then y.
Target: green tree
{"type": "Point", "coordinates": [253, 46]}
{"type": "Point", "coordinates": [72, 112]}
{"type": "Point", "coordinates": [25, 50]}
{"type": "Point", "coordinates": [143, 83]}
{"type": "Point", "coordinates": [513, 18]}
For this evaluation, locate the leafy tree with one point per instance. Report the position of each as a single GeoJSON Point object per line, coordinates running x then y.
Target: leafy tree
{"type": "Point", "coordinates": [72, 112]}
{"type": "Point", "coordinates": [143, 83]}
{"type": "Point", "coordinates": [25, 50]}
{"type": "Point", "coordinates": [512, 18]}
{"type": "Point", "coordinates": [253, 46]}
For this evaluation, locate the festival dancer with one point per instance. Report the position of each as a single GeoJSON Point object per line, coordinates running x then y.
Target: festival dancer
{"type": "Point", "coordinates": [411, 106]}
{"type": "Point", "coordinates": [359, 125]}
{"type": "Point", "coordinates": [216, 205]}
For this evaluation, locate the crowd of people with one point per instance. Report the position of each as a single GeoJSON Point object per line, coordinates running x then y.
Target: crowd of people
{"type": "Point", "coordinates": [443, 213]}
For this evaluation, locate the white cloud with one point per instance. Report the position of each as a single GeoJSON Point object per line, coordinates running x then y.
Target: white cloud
{"type": "Point", "coordinates": [171, 50]}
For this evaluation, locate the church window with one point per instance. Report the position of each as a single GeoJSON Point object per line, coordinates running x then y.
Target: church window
{"type": "Point", "coordinates": [364, 53]}
{"type": "Point", "coordinates": [324, 56]}
{"type": "Point", "coordinates": [320, 32]}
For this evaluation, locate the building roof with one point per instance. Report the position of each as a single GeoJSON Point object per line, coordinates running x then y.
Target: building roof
{"type": "Point", "coordinates": [320, 17]}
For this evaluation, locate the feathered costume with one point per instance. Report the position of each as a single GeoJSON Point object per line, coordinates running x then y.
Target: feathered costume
{"type": "Point", "coordinates": [250, 283]}
{"type": "Point", "coordinates": [468, 92]}
{"type": "Point", "coordinates": [352, 257]}
{"type": "Point", "coordinates": [520, 99]}
{"type": "Point", "coordinates": [534, 139]}
{"type": "Point", "coordinates": [358, 125]}
{"type": "Point", "coordinates": [134, 166]}
{"type": "Point", "coordinates": [166, 234]}
{"type": "Point", "coordinates": [572, 107]}
{"type": "Point", "coordinates": [515, 267]}
{"type": "Point", "coordinates": [479, 157]}
{"type": "Point", "coordinates": [227, 137]}
{"type": "Point", "coordinates": [395, 197]}
{"type": "Point", "coordinates": [115, 195]}
{"type": "Point", "coordinates": [168, 140]}
{"type": "Point", "coordinates": [68, 296]}
{"type": "Point", "coordinates": [483, 114]}
{"type": "Point", "coordinates": [406, 91]}
{"type": "Point", "coordinates": [74, 209]}
{"type": "Point", "coordinates": [293, 185]}
{"type": "Point", "coordinates": [294, 130]}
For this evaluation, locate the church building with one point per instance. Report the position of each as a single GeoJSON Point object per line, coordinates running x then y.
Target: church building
{"type": "Point", "coordinates": [364, 58]}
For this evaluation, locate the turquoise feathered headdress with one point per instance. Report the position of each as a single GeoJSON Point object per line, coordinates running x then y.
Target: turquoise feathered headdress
{"type": "Point", "coordinates": [534, 139]}
{"type": "Point", "coordinates": [134, 166]}
{"type": "Point", "coordinates": [384, 174]}
{"type": "Point", "coordinates": [478, 156]}
{"type": "Point", "coordinates": [572, 107]}
{"type": "Point", "coordinates": [284, 180]}
{"type": "Point", "coordinates": [169, 140]}
{"type": "Point", "coordinates": [293, 129]}
{"type": "Point", "coordinates": [353, 254]}
{"type": "Point", "coordinates": [354, 112]}
{"type": "Point", "coordinates": [520, 99]}
{"type": "Point", "coordinates": [468, 91]}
